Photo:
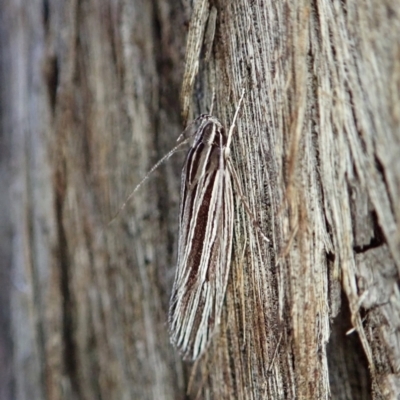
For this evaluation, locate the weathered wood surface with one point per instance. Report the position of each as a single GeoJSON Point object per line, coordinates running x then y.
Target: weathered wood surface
{"type": "Point", "coordinates": [90, 101]}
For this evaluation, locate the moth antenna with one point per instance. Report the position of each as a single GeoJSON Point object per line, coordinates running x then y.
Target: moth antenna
{"type": "Point", "coordinates": [228, 143]}
{"type": "Point", "coordinates": [165, 158]}
{"type": "Point", "coordinates": [233, 172]}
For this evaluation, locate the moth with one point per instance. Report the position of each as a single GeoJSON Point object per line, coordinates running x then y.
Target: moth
{"type": "Point", "coordinates": [205, 237]}
{"type": "Point", "coordinates": [205, 233]}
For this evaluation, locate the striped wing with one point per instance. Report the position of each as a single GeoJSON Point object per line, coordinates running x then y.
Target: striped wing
{"type": "Point", "coordinates": [205, 246]}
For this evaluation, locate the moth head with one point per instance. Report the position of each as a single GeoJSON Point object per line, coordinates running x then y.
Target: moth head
{"type": "Point", "coordinates": [197, 124]}
{"type": "Point", "coordinates": [193, 127]}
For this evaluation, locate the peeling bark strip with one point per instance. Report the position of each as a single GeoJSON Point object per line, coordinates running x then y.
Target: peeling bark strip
{"type": "Point", "coordinates": [193, 48]}
{"type": "Point", "coordinates": [205, 237]}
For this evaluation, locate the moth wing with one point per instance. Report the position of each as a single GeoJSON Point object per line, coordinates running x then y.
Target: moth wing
{"type": "Point", "coordinates": [204, 256]}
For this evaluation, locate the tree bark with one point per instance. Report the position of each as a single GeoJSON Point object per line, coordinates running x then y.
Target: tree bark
{"type": "Point", "coordinates": [94, 93]}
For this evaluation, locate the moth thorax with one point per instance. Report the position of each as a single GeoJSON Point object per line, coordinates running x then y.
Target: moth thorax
{"type": "Point", "coordinates": [213, 133]}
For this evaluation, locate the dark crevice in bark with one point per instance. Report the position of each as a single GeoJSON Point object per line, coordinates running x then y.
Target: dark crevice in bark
{"type": "Point", "coordinates": [46, 14]}
{"type": "Point", "coordinates": [382, 172]}
{"type": "Point", "coordinates": [330, 256]}
{"type": "Point", "coordinates": [376, 241]}
{"type": "Point", "coordinates": [51, 75]}
{"type": "Point", "coordinates": [114, 39]}
{"type": "Point", "coordinates": [347, 362]}
{"type": "Point", "coordinates": [68, 328]}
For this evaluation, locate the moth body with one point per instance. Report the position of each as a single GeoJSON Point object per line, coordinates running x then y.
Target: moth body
{"type": "Point", "coordinates": [205, 240]}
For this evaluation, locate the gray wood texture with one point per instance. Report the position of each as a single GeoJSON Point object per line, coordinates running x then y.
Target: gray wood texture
{"type": "Point", "coordinates": [93, 93]}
